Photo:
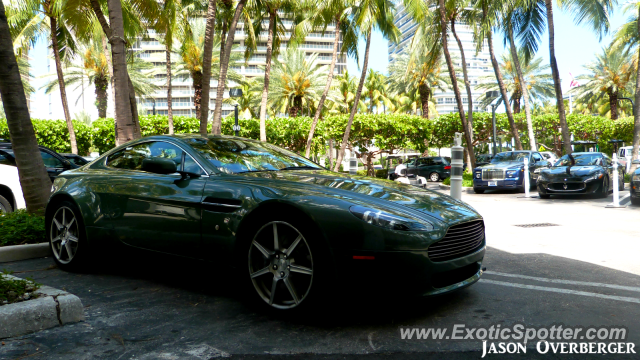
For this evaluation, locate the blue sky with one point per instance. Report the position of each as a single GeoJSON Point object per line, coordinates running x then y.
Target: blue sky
{"type": "Point", "coordinates": [576, 45]}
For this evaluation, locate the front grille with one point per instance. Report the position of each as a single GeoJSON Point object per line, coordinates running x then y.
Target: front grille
{"type": "Point", "coordinates": [455, 276]}
{"type": "Point", "coordinates": [460, 240]}
{"type": "Point", "coordinates": [570, 186]}
{"type": "Point", "coordinates": [492, 174]}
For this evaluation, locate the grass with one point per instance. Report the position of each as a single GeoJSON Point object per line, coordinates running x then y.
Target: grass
{"type": "Point", "coordinates": [467, 180]}
{"type": "Point", "coordinates": [20, 227]}
{"type": "Point", "coordinates": [13, 290]}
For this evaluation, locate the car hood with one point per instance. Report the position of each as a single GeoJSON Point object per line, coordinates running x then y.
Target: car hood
{"type": "Point", "coordinates": [575, 172]}
{"type": "Point", "coordinates": [503, 165]}
{"type": "Point", "coordinates": [366, 191]}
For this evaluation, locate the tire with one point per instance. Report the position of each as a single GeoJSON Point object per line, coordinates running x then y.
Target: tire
{"type": "Point", "coordinates": [434, 177]}
{"type": "Point", "coordinates": [5, 205]}
{"type": "Point", "coordinates": [635, 201]}
{"type": "Point", "coordinates": [67, 238]}
{"type": "Point", "coordinates": [296, 273]}
{"type": "Point", "coordinates": [478, 191]}
{"type": "Point", "coordinates": [604, 188]}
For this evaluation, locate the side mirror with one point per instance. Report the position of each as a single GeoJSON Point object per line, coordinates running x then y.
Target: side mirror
{"type": "Point", "coordinates": [636, 162]}
{"type": "Point", "coordinates": [159, 165]}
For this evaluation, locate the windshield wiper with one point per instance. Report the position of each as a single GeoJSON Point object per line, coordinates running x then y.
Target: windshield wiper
{"type": "Point", "coordinates": [301, 168]}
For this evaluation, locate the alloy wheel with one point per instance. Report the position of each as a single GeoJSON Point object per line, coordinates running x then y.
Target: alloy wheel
{"type": "Point", "coordinates": [281, 265]}
{"type": "Point", "coordinates": [64, 235]}
{"type": "Point", "coordinates": [434, 177]}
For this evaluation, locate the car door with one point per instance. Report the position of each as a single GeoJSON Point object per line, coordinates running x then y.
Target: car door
{"type": "Point", "coordinates": [536, 166]}
{"type": "Point", "coordinates": [155, 211]}
{"type": "Point", "coordinates": [424, 167]}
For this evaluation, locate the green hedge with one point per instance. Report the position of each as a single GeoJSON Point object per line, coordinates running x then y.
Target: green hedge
{"type": "Point", "coordinates": [369, 131]}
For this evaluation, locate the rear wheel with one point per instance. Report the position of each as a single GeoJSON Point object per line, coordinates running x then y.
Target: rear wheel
{"type": "Point", "coordinates": [434, 177]}
{"type": "Point", "coordinates": [283, 263]}
{"type": "Point", "coordinates": [5, 205]}
{"type": "Point", "coordinates": [65, 231]}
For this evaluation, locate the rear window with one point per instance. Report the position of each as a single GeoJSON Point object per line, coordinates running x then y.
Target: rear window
{"type": "Point", "coordinates": [447, 160]}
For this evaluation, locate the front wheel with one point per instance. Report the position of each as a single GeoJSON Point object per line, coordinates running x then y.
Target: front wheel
{"type": "Point", "coordinates": [282, 264]}
{"type": "Point", "coordinates": [604, 188]}
{"type": "Point", "coordinates": [478, 191]}
{"type": "Point", "coordinates": [434, 177]}
{"type": "Point", "coordinates": [65, 231]}
{"type": "Point", "coordinates": [544, 196]}
{"type": "Point", "coordinates": [635, 201]}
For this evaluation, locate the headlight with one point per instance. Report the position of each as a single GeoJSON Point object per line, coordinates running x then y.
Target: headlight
{"type": "Point", "coordinates": [389, 221]}
{"type": "Point", "coordinates": [595, 176]}
{"type": "Point", "coordinates": [512, 173]}
{"type": "Point", "coordinates": [478, 175]}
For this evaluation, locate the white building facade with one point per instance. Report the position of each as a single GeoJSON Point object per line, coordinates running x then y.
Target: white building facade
{"type": "Point", "coordinates": [478, 65]}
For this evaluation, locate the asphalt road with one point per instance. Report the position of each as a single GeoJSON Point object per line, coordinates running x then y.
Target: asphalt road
{"type": "Point", "coordinates": [583, 271]}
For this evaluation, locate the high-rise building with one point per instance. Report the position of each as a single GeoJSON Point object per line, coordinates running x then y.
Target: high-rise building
{"type": "Point", "coordinates": [152, 50]}
{"type": "Point", "coordinates": [478, 65]}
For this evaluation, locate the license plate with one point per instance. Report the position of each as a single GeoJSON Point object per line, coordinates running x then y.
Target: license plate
{"type": "Point", "coordinates": [493, 183]}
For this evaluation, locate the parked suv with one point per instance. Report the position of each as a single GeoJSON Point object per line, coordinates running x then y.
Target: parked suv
{"type": "Point", "coordinates": [434, 168]}
{"type": "Point", "coordinates": [11, 197]}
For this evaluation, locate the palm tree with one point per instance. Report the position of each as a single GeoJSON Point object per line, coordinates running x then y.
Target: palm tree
{"type": "Point", "coordinates": [28, 24]}
{"type": "Point", "coordinates": [611, 73]}
{"type": "Point", "coordinates": [488, 17]}
{"type": "Point", "coordinates": [347, 87]}
{"type": "Point", "coordinates": [248, 102]}
{"type": "Point", "coordinates": [33, 176]}
{"type": "Point", "coordinates": [209, 39]}
{"type": "Point", "coordinates": [368, 15]}
{"type": "Point", "coordinates": [297, 82]}
{"type": "Point", "coordinates": [422, 74]}
{"type": "Point", "coordinates": [596, 14]}
{"type": "Point", "coordinates": [191, 61]}
{"type": "Point", "coordinates": [216, 127]}
{"type": "Point", "coordinates": [375, 89]}
{"type": "Point", "coordinates": [275, 10]}
{"type": "Point", "coordinates": [324, 13]}
{"type": "Point", "coordinates": [538, 82]}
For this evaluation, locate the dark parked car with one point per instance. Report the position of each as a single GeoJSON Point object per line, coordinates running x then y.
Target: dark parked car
{"type": "Point", "coordinates": [287, 226]}
{"type": "Point", "coordinates": [433, 168]}
{"type": "Point", "coordinates": [592, 173]}
{"type": "Point", "coordinates": [635, 184]}
{"type": "Point", "coordinates": [506, 171]}
{"type": "Point", "coordinates": [54, 162]}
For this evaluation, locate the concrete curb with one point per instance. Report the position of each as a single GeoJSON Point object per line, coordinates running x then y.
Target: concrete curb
{"type": "Point", "coordinates": [54, 307]}
{"type": "Point", "coordinates": [23, 252]}
{"type": "Point", "coordinates": [447, 187]}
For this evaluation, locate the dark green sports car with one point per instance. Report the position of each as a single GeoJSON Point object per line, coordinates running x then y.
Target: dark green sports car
{"type": "Point", "coordinates": [290, 226]}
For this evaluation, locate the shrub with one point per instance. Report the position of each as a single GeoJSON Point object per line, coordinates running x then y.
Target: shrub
{"type": "Point", "coordinates": [381, 174]}
{"type": "Point", "coordinates": [13, 290]}
{"type": "Point", "coordinates": [20, 227]}
{"type": "Point", "coordinates": [467, 180]}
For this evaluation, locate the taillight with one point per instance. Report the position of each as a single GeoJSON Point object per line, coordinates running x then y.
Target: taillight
{"type": "Point", "coordinates": [447, 167]}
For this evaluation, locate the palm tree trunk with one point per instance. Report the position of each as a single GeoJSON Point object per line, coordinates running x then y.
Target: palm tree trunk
{"type": "Point", "coordinates": [345, 139]}
{"type": "Point", "coordinates": [613, 104]}
{"type": "Point", "coordinates": [468, 134]}
{"type": "Point", "coordinates": [197, 96]}
{"type": "Point", "coordinates": [107, 56]}
{"type": "Point", "coordinates": [216, 127]}
{"type": "Point", "coordinates": [425, 92]}
{"type": "Point", "coordinates": [203, 113]}
{"type": "Point", "coordinates": [516, 102]}
{"type": "Point", "coordinates": [34, 180]}
{"type": "Point", "coordinates": [330, 153]}
{"type": "Point", "coordinates": [169, 99]}
{"type": "Point", "coordinates": [523, 89]}
{"type": "Point", "coordinates": [503, 91]}
{"type": "Point", "coordinates": [63, 89]}
{"type": "Point", "coordinates": [267, 75]}
{"type": "Point", "coordinates": [467, 85]}
{"type": "Point", "coordinates": [296, 109]}
{"type": "Point", "coordinates": [566, 136]}
{"type": "Point", "coordinates": [101, 96]}
{"type": "Point", "coordinates": [334, 57]}
{"type": "Point", "coordinates": [134, 108]}
{"type": "Point", "coordinates": [636, 113]}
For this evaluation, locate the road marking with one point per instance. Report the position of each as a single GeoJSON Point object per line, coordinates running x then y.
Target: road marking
{"type": "Point", "coordinates": [567, 282]}
{"type": "Point", "coordinates": [563, 291]}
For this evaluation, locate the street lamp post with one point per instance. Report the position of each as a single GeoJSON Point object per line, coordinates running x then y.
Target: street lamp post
{"type": "Point", "coordinates": [236, 93]}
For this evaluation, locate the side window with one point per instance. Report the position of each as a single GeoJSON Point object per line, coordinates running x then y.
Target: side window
{"type": "Point", "coordinates": [50, 161]}
{"type": "Point", "coordinates": [621, 153]}
{"type": "Point", "coordinates": [537, 157]}
{"type": "Point", "coordinates": [437, 161]}
{"type": "Point", "coordinates": [6, 159]}
{"type": "Point", "coordinates": [131, 157]}
{"type": "Point", "coordinates": [191, 166]}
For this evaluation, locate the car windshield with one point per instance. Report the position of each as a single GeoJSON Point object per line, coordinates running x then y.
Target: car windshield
{"type": "Point", "coordinates": [518, 156]}
{"type": "Point", "coordinates": [234, 156]}
{"type": "Point", "coordinates": [581, 160]}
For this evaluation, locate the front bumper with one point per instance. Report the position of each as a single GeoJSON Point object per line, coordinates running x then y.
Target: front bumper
{"type": "Point", "coordinates": [409, 273]}
{"type": "Point", "coordinates": [547, 187]}
{"type": "Point", "coordinates": [506, 184]}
